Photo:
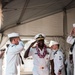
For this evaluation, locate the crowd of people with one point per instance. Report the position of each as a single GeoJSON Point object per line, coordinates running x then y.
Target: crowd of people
{"type": "Point", "coordinates": [47, 60]}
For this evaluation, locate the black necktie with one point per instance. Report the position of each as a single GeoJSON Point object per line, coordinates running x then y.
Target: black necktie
{"type": "Point", "coordinates": [21, 58]}
{"type": "Point", "coordinates": [72, 46]}
{"type": "Point", "coordinates": [55, 52]}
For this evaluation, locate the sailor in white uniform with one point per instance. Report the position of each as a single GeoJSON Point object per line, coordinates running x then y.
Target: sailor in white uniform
{"type": "Point", "coordinates": [13, 54]}
{"type": "Point", "coordinates": [71, 40]}
{"type": "Point", "coordinates": [58, 58]}
{"type": "Point", "coordinates": [42, 55]}
{"type": "Point", "coordinates": [1, 59]}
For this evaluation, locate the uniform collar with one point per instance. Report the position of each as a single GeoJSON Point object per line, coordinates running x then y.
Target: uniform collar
{"type": "Point", "coordinates": [12, 44]}
{"type": "Point", "coordinates": [55, 52]}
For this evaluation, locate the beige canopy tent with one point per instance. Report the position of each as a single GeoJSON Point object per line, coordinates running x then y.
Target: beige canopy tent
{"type": "Point", "coordinates": [54, 18]}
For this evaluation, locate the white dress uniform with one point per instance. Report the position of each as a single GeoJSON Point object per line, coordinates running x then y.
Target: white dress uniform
{"type": "Point", "coordinates": [70, 40]}
{"type": "Point", "coordinates": [41, 65]}
{"type": "Point", "coordinates": [58, 62]}
{"type": "Point", "coordinates": [13, 58]}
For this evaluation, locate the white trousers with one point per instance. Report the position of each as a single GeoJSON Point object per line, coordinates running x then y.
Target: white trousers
{"type": "Point", "coordinates": [18, 68]}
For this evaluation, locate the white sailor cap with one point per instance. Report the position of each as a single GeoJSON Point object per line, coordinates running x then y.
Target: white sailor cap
{"type": "Point", "coordinates": [39, 36]}
{"type": "Point", "coordinates": [13, 35]}
{"type": "Point", "coordinates": [74, 25]}
{"type": "Point", "coordinates": [52, 43]}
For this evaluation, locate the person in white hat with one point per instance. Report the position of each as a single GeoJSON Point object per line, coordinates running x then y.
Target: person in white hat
{"type": "Point", "coordinates": [13, 54]}
{"type": "Point", "coordinates": [42, 55]}
{"type": "Point", "coordinates": [71, 40]}
{"type": "Point", "coordinates": [58, 58]}
{"type": "Point", "coordinates": [2, 51]}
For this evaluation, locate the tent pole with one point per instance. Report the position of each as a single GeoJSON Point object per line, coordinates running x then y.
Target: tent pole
{"type": "Point", "coordinates": [64, 23]}
{"type": "Point", "coordinates": [65, 31]}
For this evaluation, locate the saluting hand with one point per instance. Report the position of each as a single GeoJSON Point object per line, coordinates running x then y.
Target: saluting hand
{"type": "Point", "coordinates": [32, 43]}
{"type": "Point", "coordinates": [72, 32]}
